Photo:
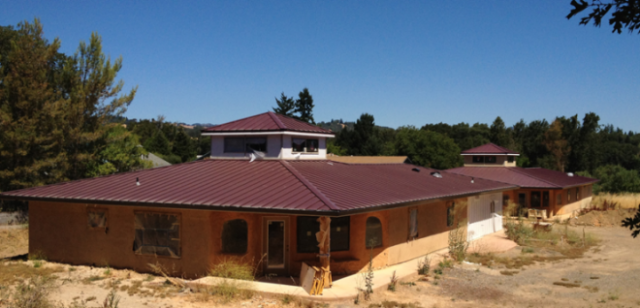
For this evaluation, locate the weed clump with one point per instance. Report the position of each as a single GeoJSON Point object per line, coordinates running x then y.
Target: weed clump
{"type": "Point", "coordinates": [232, 268]}
{"type": "Point", "coordinates": [424, 266]}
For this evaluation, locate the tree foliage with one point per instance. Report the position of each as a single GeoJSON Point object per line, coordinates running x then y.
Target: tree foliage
{"type": "Point", "coordinates": [625, 15]}
{"type": "Point", "coordinates": [427, 148]}
{"type": "Point", "coordinates": [286, 106]}
{"type": "Point", "coordinates": [54, 109]}
{"type": "Point", "coordinates": [304, 106]}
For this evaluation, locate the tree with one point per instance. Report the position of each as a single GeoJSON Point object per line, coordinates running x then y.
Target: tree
{"type": "Point", "coordinates": [626, 13]}
{"type": "Point", "coordinates": [183, 147]}
{"type": "Point", "coordinates": [122, 153]}
{"type": "Point", "coordinates": [363, 139]}
{"type": "Point", "coordinates": [286, 106]}
{"type": "Point", "coordinates": [499, 133]}
{"type": "Point", "coordinates": [158, 143]}
{"type": "Point", "coordinates": [557, 145]}
{"type": "Point", "coordinates": [304, 106]}
{"type": "Point", "coordinates": [427, 148]}
{"type": "Point", "coordinates": [30, 110]}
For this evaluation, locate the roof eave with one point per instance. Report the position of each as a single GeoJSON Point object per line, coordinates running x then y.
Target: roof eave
{"type": "Point", "coordinates": [268, 132]}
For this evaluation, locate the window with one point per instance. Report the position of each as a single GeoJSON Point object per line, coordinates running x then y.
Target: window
{"type": "Point", "coordinates": [245, 144]}
{"type": "Point", "coordinates": [478, 159]}
{"type": "Point", "coordinates": [451, 214]}
{"type": "Point", "coordinates": [577, 193]}
{"type": "Point", "coordinates": [505, 200]}
{"type": "Point", "coordinates": [373, 237]}
{"type": "Point", "coordinates": [492, 207]}
{"type": "Point", "coordinates": [510, 159]}
{"type": "Point", "coordinates": [535, 199]}
{"type": "Point", "coordinates": [97, 218]}
{"type": "Point", "coordinates": [490, 160]}
{"type": "Point", "coordinates": [545, 198]}
{"type": "Point", "coordinates": [559, 199]}
{"type": "Point", "coordinates": [304, 145]}
{"type": "Point", "coordinates": [413, 223]}
{"type": "Point", "coordinates": [234, 236]}
{"type": "Point", "coordinates": [157, 234]}
{"type": "Point", "coordinates": [568, 195]}
{"type": "Point", "coordinates": [307, 226]}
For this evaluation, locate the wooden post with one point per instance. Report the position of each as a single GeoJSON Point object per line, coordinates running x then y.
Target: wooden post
{"type": "Point", "coordinates": [323, 236]}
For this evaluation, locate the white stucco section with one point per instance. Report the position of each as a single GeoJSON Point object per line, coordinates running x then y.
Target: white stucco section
{"type": "Point", "coordinates": [278, 147]}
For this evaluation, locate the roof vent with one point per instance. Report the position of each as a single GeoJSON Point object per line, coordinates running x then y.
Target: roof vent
{"type": "Point", "coordinates": [137, 182]}
{"type": "Point", "coordinates": [570, 173]}
{"type": "Point", "coordinates": [436, 174]}
{"type": "Point", "coordinates": [473, 180]}
{"type": "Point", "coordinates": [416, 169]}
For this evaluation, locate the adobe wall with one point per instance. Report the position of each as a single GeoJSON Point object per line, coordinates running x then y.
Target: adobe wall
{"type": "Point", "coordinates": [568, 202]}
{"type": "Point", "coordinates": [60, 232]}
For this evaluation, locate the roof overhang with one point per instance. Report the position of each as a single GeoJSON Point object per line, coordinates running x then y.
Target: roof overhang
{"type": "Point", "coordinates": [266, 133]}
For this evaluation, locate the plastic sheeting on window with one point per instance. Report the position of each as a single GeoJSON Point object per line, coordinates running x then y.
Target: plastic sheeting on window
{"type": "Point", "coordinates": [157, 234]}
{"type": "Point", "coordinates": [413, 223]}
{"type": "Point", "coordinates": [97, 218]}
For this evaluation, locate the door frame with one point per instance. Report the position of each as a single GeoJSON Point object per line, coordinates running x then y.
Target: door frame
{"type": "Point", "coordinates": [265, 240]}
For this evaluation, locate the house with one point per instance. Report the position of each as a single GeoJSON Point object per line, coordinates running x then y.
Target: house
{"type": "Point", "coordinates": [558, 193]}
{"type": "Point", "coordinates": [259, 194]}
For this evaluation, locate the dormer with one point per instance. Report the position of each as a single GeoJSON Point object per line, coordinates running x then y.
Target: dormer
{"type": "Point", "coordinates": [274, 135]}
{"type": "Point", "coordinates": [489, 155]}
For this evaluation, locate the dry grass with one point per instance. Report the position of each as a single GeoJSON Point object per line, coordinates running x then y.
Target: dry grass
{"type": "Point", "coordinates": [14, 272]}
{"type": "Point", "coordinates": [15, 241]}
{"type": "Point", "coordinates": [624, 200]}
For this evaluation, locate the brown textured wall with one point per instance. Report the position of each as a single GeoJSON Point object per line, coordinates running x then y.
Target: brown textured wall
{"type": "Point", "coordinates": [60, 232]}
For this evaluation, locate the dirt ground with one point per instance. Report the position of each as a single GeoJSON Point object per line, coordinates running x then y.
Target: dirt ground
{"type": "Point", "coordinates": [606, 276]}
{"type": "Point", "coordinates": [14, 240]}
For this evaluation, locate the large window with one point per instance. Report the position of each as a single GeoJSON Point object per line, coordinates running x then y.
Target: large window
{"type": "Point", "coordinates": [577, 193]}
{"type": "Point", "coordinates": [490, 159]}
{"type": "Point", "coordinates": [478, 159]}
{"type": "Point", "coordinates": [559, 199]}
{"type": "Point", "coordinates": [307, 226]}
{"type": "Point", "coordinates": [373, 237]}
{"type": "Point", "coordinates": [535, 199]}
{"type": "Point", "coordinates": [568, 195]}
{"type": "Point", "coordinates": [510, 159]}
{"type": "Point", "coordinates": [413, 223]}
{"type": "Point", "coordinates": [157, 234]}
{"type": "Point", "coordinates": [245, 144]}
{"type": "Point", "coordinates": [505, 200]}
{"type": "Point", "coordinates": [545, 198]}
{"type": "Point", "coordinates": [234, 236]}
{"type": "Point", "coordinates": [305, 145]}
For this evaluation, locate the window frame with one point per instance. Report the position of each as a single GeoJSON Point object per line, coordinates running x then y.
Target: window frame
{"type": "Point", "coordinates": [314, 220]}
{"type": "Point", "coordinates": [179, 239]}
{"type": "Point", "coordinates": [538, 195]}
{"type": "Point", "coordinates": [244, 144]}
{"type": "Point", "coordinates": [477, 159]}
{"type": "Point", "coordinates": [577, 193]}
{"type": "Point", "coordinates": [490, 160]}
{"type": "Point", "coordinates": [510, 159]}
{"type": "Point", "coordinates": [451, 214]}
{"type": "Point", "coordinates": [545, 199]}
{"type": "Point", "coordinates": [379, 243]}
{"type": "Point", "coordinates": [559, 199]}
{"type": "Point", "coordinates": [413, 222]}
{"type": "Point", "coordinates": [305, 148]}
{"type": "Point", "coordinates": [95, 210]}
{"type": "Point", "coordinates": [222, 237]}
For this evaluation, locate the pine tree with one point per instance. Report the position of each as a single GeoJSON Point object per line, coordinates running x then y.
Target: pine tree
{"type": "Point", "coordinates": [304, 106]}
{"type": "Point", "coordinates": [183, 147]}
{"type": "Point", "coordinates": [286, 106]}
{"type": "Point", "coordinates": [158, 143]}
{"type": "Point", "coordinates": [29, 111]}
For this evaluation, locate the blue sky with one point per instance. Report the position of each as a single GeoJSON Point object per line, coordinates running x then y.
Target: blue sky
{"type": "Point", "coordinates": [405, 62]}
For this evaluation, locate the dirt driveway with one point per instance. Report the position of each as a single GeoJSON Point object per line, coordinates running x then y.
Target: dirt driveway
{"type": "Point", "coordinates": [606, 276]}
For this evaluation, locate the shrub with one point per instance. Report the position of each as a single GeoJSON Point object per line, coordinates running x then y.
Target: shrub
{"type": "Point", "coordinates": [32, 294]}
{"type": "Point", "coordinates": [232, 268]}
{"type": "Point", "coordinates": [458, 245]}
{"type": "Point", "coordinates": [424, 266]}
{"type": "Point", "coordinates": [393, 281]}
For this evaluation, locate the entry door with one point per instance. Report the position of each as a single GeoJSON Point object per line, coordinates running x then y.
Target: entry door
{"type": "Point", "coordinates": [276, 245]}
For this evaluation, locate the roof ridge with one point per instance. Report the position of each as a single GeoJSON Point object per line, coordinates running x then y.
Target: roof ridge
{"type": "Point", "coordinates": [519, 170]}
{"type": "Point", "coordinates": [310, 186]}
{"type": "Point", "coordinates": [275, 118]}
{"type": "Point", "coordinates": [234, 121]}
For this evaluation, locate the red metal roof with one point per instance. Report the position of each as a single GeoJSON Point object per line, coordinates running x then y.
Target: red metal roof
{"type": "Point", "coordinates": [267, 185]}
{"type": "Point", "coordinates": [268, 121]}
{"type": "Point", "coordinates": [489, 148]}
{"type": "Point", "coordinates": [525, 177]}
